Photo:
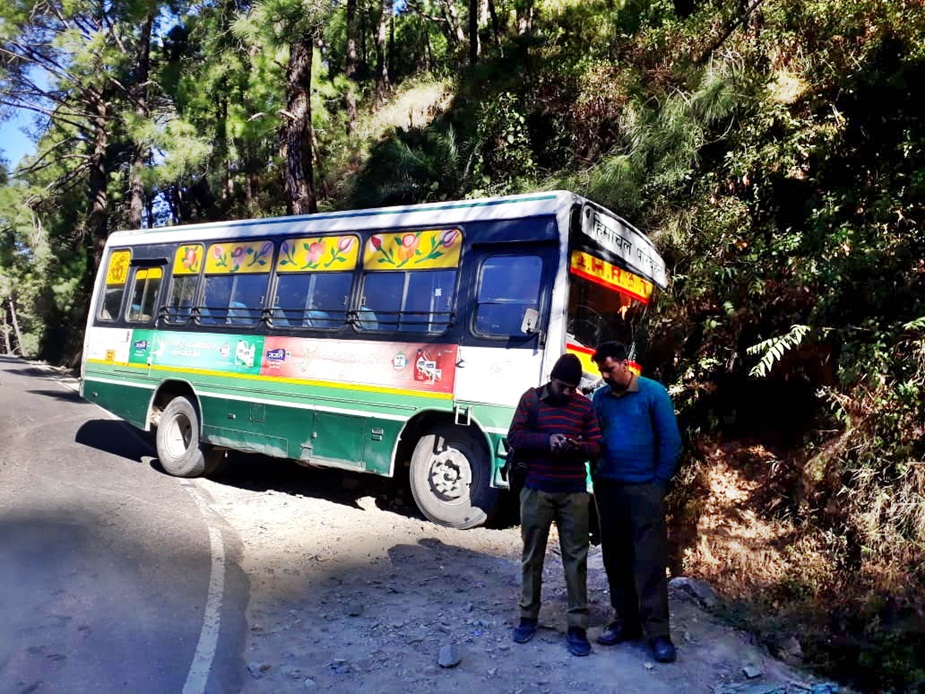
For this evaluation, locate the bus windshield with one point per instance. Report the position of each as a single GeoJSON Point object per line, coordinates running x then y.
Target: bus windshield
{"type": "Point", "coordinates": [597, 314]}
{"type": "Point", "coordinates": [605, 302]}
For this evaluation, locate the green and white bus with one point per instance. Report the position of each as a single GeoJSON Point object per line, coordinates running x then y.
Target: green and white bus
{"type": "Point", "coordinates": [391, 341]}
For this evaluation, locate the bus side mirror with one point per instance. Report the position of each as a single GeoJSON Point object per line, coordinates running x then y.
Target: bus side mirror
{"type": "Point", "coordinates": [530, 320]}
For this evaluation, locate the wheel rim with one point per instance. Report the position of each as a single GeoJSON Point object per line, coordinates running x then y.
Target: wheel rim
{"type": "Point", "coordinates": [450, 476]}
{"type": "Point", "coordinates": [179, 435]}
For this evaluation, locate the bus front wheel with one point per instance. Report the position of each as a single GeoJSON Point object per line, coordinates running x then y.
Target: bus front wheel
{"type": "Point", "coordinates": [179, 449]}
{"type": "Point", "coordinates": [451, 478]}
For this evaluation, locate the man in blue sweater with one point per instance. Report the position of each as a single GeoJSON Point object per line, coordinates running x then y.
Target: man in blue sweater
{"type": "Point", "coordinates": [556, 432]}
{"type": "Point", "coordinates": [639, 454]}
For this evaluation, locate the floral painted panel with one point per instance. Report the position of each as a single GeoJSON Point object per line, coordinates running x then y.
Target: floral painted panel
{"type": "Point", "coordinates": [318, 254]}
{"type": "Point", "coordinates": [238, 258]}
{"type": "Point", "coordinates": [414, 250]}
{"type": "Point", "coordinates": [188, 260]}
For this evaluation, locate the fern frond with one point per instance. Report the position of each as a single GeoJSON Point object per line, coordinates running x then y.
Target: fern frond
{"type": "Point", "coordinates": [774, 349]}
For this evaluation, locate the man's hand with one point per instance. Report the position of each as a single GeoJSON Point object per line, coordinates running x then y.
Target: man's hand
{"type": "Point", "coordinates": [557, 442]}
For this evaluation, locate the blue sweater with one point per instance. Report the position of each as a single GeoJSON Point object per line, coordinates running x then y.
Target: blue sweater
{"type": "Point", "coordinates": [641, 437]}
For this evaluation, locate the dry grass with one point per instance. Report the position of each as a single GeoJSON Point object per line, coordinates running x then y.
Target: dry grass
{"type": "Point", "coordinates": [739, 548]}
{"type": "Point", "coordinates": [799, 547]}
{"type": "Point", "coordinates": [414, 105]}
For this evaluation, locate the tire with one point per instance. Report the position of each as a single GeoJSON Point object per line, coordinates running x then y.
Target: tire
{"type": "Point", "coordinates": [451, 478]}
{"type": "Point", "coordinates": [179, 449]}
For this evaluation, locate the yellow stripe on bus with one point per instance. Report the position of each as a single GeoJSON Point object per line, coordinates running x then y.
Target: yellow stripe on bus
{"type": "Point", "coordinates": [274, 379]}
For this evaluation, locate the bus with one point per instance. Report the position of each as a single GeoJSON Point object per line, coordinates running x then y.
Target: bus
{"type": "Point", "coordinates": [388, 341]}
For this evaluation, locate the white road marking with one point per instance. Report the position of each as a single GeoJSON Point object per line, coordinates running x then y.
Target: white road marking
{"type": "Point", "coordinates": [212, 618]}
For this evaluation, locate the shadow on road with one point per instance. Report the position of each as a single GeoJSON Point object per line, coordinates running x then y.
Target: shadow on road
{"type": "Point", "coordinates": [25, 368]}
{"type": "Point", "coordinates": [115, 437]}
{"type": "Point", "coordinates": [260, 473]}
{"type": "Point", "coordinates": [63, 395]}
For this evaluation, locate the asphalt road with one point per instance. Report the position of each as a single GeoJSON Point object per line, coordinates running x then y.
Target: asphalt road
{"type": "Point", "coordinates": [113, 575]}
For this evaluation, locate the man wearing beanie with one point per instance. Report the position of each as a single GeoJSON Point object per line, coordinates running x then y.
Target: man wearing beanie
{"type": "Point", "coordinates": [555, 432]}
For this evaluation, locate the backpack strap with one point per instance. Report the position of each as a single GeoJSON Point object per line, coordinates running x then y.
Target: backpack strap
{"type": "Point", "coordinates": [533, 411]}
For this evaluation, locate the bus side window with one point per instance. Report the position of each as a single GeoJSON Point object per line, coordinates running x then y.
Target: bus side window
{"type": "Point", "coordinates": [117, 273]}
{"type": "Point", "coordinates": [237, 277]}
{"type": "Point", "coordinates": [145, 288]}
{"type": "Point", "coordinates": [235, 299]}
{"type": "Point", "coordinates": [112, 302]}
{"type": "Point", "coordinates": [217, 296]}
{"type": "Point", "coordinates": [508, 286]}
{"type": "Point", "coordinates": [312, 299]}
{"type": "Point", "coordinates": [408, 301]}
{"type": "Point", "coordinates": [184, 284]}
{"type": "Point", "coordinates": [182, 295]}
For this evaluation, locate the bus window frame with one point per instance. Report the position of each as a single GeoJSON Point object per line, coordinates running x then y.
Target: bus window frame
{"type": "Point", "coordinates": [225, 319]}
{"type": "Point", "coordinates": [359, 312]}
{"type": "Point", "coordinates": [164, 315]}
{"type": "Point", "coordinates": [545, 283]}
{"type": "Point", "coordinates": [119, 315]}
{"type": "Point", "coordinates": [134, 268]}
{"type": "Point", "coordinates": [396, 317]}
{"type": "Point", "coordinates": [270, 312]}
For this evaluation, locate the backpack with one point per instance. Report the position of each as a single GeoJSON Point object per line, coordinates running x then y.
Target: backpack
{"type": "Point", "coordinates": [515, 466]}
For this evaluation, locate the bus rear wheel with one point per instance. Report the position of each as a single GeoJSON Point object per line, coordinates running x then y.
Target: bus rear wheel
{"type": "Point", "coordinates": [179, 449]}
{"type": "Point", "coordinates": [451, 478]}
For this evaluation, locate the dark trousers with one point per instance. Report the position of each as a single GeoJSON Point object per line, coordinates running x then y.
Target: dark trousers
{"type": "Point", "coordinates": [634, 544]}
{"type": "Point", "coordinates": [570, 512]}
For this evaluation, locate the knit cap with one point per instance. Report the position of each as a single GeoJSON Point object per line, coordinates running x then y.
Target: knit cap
{"type": "Point", "coordinates": [567, 369]}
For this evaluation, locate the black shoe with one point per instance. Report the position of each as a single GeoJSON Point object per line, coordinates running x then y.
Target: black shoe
{"type": "Point", "coordinates": [524, 631]}
{"type": "Point", "coordinates": [663, 649]}
{"type": "Point", "coordinates": [618, 632]}
{"type": "Point", "coordinates": [577, 640]}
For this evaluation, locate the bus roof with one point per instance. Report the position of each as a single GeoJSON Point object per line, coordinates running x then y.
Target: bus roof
{"type": "Point", "coordinates": [454, 212]}
{"type": "Point", "coordinates": [605, 228]}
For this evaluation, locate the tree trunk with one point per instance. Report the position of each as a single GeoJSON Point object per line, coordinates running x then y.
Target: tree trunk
{"type": "Point", "coordinates": [426, 60]}
{"type": "Point", "coordinates": [474, 48]}
{"type": "Point", "coordinates": [15, 327]}
{"type": "Point", "coordinates": [221, 144]}
{"type": "Point", "coordinates": [495, 24]}
{"type": "Point", "coordinates": [364, 46]}
{"type": "Point", "coordinates": [140, 97]}
{"type": "Point", "coordinates": [300, 186]}
{"type": "Point", "coordinates": [525, 18]}
{"type": "Point", "coordinates": [6, 332]}
{"type": "Point", "coordinates": [452, 18]}
{"type": "Point", "coordinates": [98, 178]}
{"type": "Point", "coordinates": [350, 68]}
{"type": "Point", "coordinates": [382, 69]}
{"type": "Point", "coordinates": [390, 51]}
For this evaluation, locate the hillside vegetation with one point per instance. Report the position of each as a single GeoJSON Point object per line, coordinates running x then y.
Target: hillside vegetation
{"type": "Point", "coordinates": [772, 149]}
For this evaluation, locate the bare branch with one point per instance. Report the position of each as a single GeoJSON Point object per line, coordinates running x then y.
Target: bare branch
{"type": "Point", "coordinates": [40, 164]}
{"type": "Point", "coordinates": [735, 24]}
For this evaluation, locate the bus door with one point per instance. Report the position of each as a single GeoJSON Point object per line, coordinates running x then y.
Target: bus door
{"type": "Point", "coordinates": [508, 297]}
